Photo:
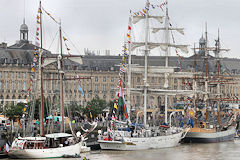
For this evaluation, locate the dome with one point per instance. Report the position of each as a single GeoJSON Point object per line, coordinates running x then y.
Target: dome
{"type": "Point", "coordinates": [24, 27]}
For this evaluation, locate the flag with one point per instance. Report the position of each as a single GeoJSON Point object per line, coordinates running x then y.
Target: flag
{"type": "Point", "coordinates": [136, 14]}
{"type": "Point", "coordinates": [80, 89]}
{"type": "Point", "coordinates": [113, 118]}
{"type": "Point", "coordinates": [38, 17]}
{"type": "Point", "coordinates": [64, 38]}
{"type": "Point", "coordinates": [38, 22]}
{"type": "Point", "coordinates": [33, 69]}
{"type": "Point", "coordinates": [144, 10]}
{"type": "Point", "coordinates": [6, 148]}
{"type": "Point", "coordinates": [115, 106]}
{"type": "Point", "coordinates": [121, 101]}
{"type": "Point", "coordinates": [90, 115]}
{"type": "Point", "coordinates": [129, 28]}
{"type": "Point", "coordinates": [39, 10]}
{"type": "Point", "coordinates": [128, 36]}
{"type": "Point", "coordinates": [142, 14]}
{"type": "Point", "coordinates": [122, 69]}
{"type": "Point", "coordinates": [123, 59]}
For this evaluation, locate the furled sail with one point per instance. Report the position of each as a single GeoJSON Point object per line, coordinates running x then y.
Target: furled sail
{"type": "Point", "coordinates": [136, 19]}
{"type": "Point", "coordinates": [163, 46]}
{"type": "Point", "coordinates": [180, 30]}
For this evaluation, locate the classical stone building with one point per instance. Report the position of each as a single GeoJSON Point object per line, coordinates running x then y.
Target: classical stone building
{"type": "Point", "coordinates": [16, 63]}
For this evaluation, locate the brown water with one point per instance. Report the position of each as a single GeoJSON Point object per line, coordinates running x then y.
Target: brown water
{"type": "Point", "coordinates": [214, 151]}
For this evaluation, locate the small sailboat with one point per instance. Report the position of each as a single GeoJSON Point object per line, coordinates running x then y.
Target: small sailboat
{"type": "Point", "coordinates": [124, 135]}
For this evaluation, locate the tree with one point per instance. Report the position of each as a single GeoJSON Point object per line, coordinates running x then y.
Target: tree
{"type": "Point", "coordinates": [14, 111]}
{"type": "Point", "coordinates": [95, 107]}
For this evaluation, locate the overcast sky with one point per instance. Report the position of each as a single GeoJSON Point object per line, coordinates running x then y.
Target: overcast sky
{"type": "Point", "coordinates": [102, 24]}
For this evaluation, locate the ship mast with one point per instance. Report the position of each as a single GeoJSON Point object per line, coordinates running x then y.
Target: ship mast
{"type": "Point", "coordinates": [146, 63]}
{"type": "Point", "coordinates": [206, 74]}
{"type": "Point", "coordinates": [41, 75]}
{"type": "Point", "coordinates": [167, 42]}
{"type": "Point", "coordinates": [218, 77]}
{"type": "Point", "coordinates": [195, 84]}
{"type": "Point", "coordinates": [129, 70]}
{"type": "Point", "coordinates": [60, 68]}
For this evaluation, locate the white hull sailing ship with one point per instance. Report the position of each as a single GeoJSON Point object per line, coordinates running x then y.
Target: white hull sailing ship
{"type": "Point", "coordinates": [148, 137]}
{"type": "Point", "coordinates": [35, 148]}
{"type": "Point", "coordinates": [128, 143]}
{"type": "Point", "coordinates": [54, 145]}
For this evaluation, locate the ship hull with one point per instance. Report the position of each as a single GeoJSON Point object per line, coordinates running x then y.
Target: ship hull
{"type": "Point", "coordinates": [68, 151]}
{"type": "Point", "coordinates": [201, 137]}
{"type": "Point", "coordinates": [130, 143]}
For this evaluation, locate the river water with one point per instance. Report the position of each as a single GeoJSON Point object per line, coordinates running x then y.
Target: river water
{"type": "Point", "coordinates": [213, 151]}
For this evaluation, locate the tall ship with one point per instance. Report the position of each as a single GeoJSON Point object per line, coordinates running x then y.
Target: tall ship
{"type": "Point", "coordinates": [211, 126]}
{"type": "Point", "coordinates": [124, 135]}
{"type": "Point", "coordinates": [54, 145]}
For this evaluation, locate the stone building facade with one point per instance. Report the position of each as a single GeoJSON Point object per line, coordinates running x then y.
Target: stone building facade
{"type": "Point", "coordinates": [15, 73]}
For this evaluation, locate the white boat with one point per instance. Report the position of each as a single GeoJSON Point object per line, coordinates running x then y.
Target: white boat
{"type": "Point", "coordinates": [51, 146]}
{"type": "Point", "coordinates": [116, 138]}
{"type": "Point", "coordinates": [124, 142]}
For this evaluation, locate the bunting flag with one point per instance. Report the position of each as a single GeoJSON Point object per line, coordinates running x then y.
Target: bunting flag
{"type": "Point", "coordinates": [122, 69]}
{"type": "Point", "coordinates": [65, 39]}
{"type": "Point", "coordinates": [129, 28]}
{"type": "Point", "coordinates": [39, 10]}
{"type": "Point", "coordinates": [50, 16]}
{"type": "Point", "coordinates": [115, 106]}
{"type": "Point", "coordinates": [121, 101]}
{"type": "Point", "coordinates": [67, 48]}
{"type": "Point", "coordinates": [124, 59]}
{"type": "Point", "coordinates": [128, 36]}
{"type": "Point", "coordinates": [80, 90]}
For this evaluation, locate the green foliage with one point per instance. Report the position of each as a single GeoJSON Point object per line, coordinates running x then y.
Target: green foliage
{"type": "Point", "coordinates": [95, 107]}
{"type": "Point", "coordinates": [14, 111]}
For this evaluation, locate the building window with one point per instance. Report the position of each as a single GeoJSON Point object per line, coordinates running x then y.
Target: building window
{"type": "Point", "coordinates": [12, 74]}
{"type": "Point", "coordinates": [13, 86]}
{"type": "Point", "coordinates": [87, 87]}
{"type": "Point", "coordinates": [152, 79]}
{"type": "Point", "coordinates": [104, 87]}
{"type": "Point", "coordinates": [24, 86]}
{"type": "Point", "coordinates": [6, 74]}
{"type": "Point", "coordinates": [175, 80]}
{"type": "Point", "coordinates": [24, 75]}
{"type": "Point", "coordinates": [0, 74]}
{"type": "Point", "coordinates": [7, 85]}
{"type": "Point", "coordinates": [112, 87]}
{"type": "Point", "coordinates": [0, 85]}
{"type": "Point", "coordinates": [96, 87]}
{"type": "Point", "coordinates": [138, 79]}
{"type": "Point", "coordinates": [19, 74]}
{"type": "Point", "coordinates": [104, 79]}
{"type": "Point", "coordinates": [159, 80]}
{"type": "Point", "coordinates": [175, 87]}
{"type": "Point", "coordinates": [112, 79]}
{"type": "Point", "coordinates": [96, 79]}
